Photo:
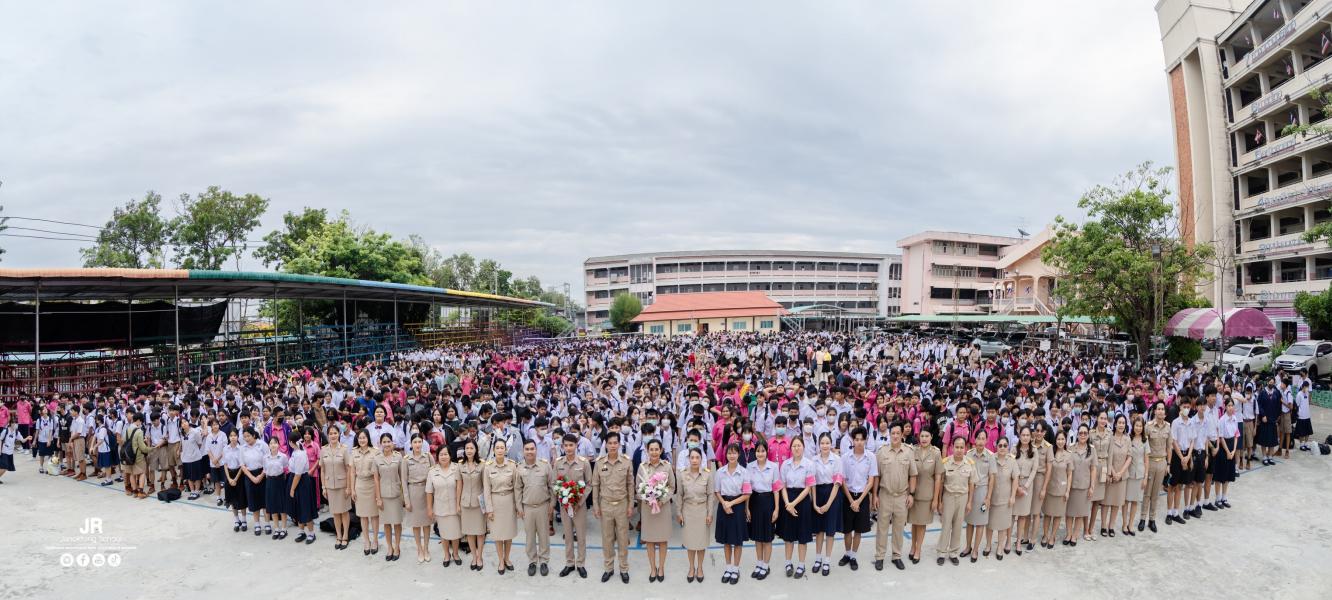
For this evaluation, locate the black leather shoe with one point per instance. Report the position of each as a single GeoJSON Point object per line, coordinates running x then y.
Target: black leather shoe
{"type": "Point", "coordinates": [566, 571]}
{"type": "Point", "coordinates": [624, 577]}
{"type": "Point", "coordinates": [544, 570]}
{"type": "Point", "coordinates": [1151, 525]}
{"type": "Point", "coordinates": [855, 566]}
{"type": "Point", "coordinates": [940, 562]}
{"type": "Point", "coordinates": [606, 576]}
{"type": "Point", "coordinates": [897, 562]}
{"type": "Point", "coordinates": [955, 561]}
{"type": "Point", "coordinates": [878, 565]}
{"type": "Point", "coordinates": [582, 572]}
{"type": "Point", "coordinates": [845, 559]}
{"type": "Point", "coordinates": [531, 569]}
{"type": "Point", "coordinates": [790, 570]}
{"type": "Point", "coordinates": [1142, 524]}
{"type": "Point", "coordinates": [1209, 506]}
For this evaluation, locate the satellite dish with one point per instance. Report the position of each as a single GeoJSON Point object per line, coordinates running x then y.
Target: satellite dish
{"type": "Point", "coordinates": [1023, 233]}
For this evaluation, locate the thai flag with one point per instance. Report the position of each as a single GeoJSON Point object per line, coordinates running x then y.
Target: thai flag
{"type": "Point", "coordinates": [1326, 43]}
{"type": "Point", "coordinates": [1258, 136]}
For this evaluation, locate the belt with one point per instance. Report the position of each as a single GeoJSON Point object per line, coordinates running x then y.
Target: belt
{"type": "Point", "coordinates": [504, 493]}
{"type": "Point", "coordinates": [537, 504]}
{"type": "Point", "coordinates": [955, 493]}
{"type": "Point", "coordinates": [1158, 459]}
{"type": "Point", "coordinates": [695, 502]}
{"type": "Point", "coordinates": [615, 503]}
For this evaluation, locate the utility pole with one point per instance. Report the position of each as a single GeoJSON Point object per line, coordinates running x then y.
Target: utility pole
{"type": "Point", "coordinates": [957, 273]}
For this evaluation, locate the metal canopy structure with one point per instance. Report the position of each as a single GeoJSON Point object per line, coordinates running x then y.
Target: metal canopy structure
{"type": "Point", "coordinates": [21, 285]}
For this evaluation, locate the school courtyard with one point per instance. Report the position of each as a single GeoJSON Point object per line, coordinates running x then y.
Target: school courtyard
{"type": "Point", "coordinates": [1275, 543]}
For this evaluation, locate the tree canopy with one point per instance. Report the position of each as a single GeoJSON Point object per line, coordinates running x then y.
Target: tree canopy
{"type": "Point", "coordinates": [212, 226]}
{"type": "Point", "coordinates": [280, 245]}
{"type": "Point", "coordinates": [1316, 308]}
{"type": "Point", "coordinates": [623, 309]}
{"type": "Point", "coordinates": [134, 238]}
{"type": "Point", "coordinates": [1126, 261]}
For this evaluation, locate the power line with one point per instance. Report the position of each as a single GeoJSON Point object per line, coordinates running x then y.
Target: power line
{"type": "Point", "coordinates": [42, 237]}
{"type": "Point", "coordinates": [55, 221]}
{"type": "Point", "coordinates": [50, 231]}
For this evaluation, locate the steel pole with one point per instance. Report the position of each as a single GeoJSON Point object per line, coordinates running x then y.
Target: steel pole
{"type": "Point", "coordinates": [277, 351]}
{"type": "Point", "coordinates": [175, 295]}
{"type": "Point", "coordinates": [344, 326]}
{"type": "Point", "coordinates": [37, 338]}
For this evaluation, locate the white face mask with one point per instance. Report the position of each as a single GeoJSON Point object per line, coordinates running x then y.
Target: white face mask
{"type": "Point", "coordinates": [748, 437]}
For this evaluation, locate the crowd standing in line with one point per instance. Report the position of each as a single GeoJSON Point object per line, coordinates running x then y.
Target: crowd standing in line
{"type": "Point", "coordinates": [732, 438]}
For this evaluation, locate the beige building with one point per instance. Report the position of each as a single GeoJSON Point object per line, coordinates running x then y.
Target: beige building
{"type": "Point", "coordinates": [946, 273]}
{"type": "Point", "coordinates": [1238, 73]}
{"type": "Point", "coordinates": [857, 283]}
{"type": "Point", "coordinates": [711, 312]}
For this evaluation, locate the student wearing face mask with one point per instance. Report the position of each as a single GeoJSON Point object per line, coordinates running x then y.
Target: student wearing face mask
{"type": "Point", "coordinates": [779, 446]}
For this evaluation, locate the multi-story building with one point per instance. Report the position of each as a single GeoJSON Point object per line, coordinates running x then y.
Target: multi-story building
{"type": "Point", "coordinates": [1239, 73]}
{"type": "Point", "coordinates": [968, 273]}
{"type": "Point", "coordinates": [851, 281]}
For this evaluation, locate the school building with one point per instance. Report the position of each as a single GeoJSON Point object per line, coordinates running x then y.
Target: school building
{"type": "Point", "coordinates": [710, 312]}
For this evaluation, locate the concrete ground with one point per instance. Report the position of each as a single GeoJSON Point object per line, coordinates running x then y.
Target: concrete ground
{"type": "Point", "coordinates": [1275, 543]}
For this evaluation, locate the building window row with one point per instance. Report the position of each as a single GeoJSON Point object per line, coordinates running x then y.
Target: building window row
{"type": "Point", "coordinates": [765, 265]}
{"type": "Point", "coordinates": [964, 248]}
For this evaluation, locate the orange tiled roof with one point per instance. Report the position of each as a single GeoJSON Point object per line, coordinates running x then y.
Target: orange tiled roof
{"type": "Point", "coordinates": [710, 305]}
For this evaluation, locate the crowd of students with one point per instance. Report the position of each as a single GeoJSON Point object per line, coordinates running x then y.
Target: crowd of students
{"type": "Point", "coordinates": [730, 438]}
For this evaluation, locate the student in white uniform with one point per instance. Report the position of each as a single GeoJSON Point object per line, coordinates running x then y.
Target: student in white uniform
{"type": "Point", "coordinates": [8, 437]}
{"type": "Point", "coordinates": [233, 490]}
{"type": "Point", "coordinates": [46, 440]}
{"type": "Point", "coordinates": [252, 455]}
{"type": "Point", "coordinates": [214, 443]}
{"type": "Point", "coordinates": [275, 488]}
{"type": "Point", "coordinates": [301, 490]}
{"type": "Point", "coordinates": [192, 462]}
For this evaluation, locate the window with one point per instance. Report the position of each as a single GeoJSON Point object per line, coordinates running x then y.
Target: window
{"type": "Point", "coordinates": [684, 328]}
{"type": "Point", "coordinates": [738, 325]}
{"type": "Point", "coordinates": [657, 329]}
{"type": "Point", "coordinates": [765, 324]}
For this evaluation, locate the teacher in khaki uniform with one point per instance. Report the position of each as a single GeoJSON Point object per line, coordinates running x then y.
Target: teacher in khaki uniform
{"type": "Point", "coordinates": [572, 467]}
{"type": "Point", "coordinates": [613, 504]}
{"type": "Point", "coordinates": [952, 498]}
{"type": "Point", "coordinates": [1158, 450]}
{"type": "Point", "coordinates": [929, 467]}
{"type": "Point", "coordinates": [532, 488]}
{"type": "Point", "coordinates": [498, 485]}
{"type": "Point", "coordinates": [896, 487]}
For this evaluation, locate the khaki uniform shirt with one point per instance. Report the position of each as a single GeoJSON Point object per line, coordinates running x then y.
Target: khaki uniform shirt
{"type": "Point", "coordinates": [612, 482]}
{"type": "Point", "coordinates": [958, 475]}
{"type": "Point", "coordinates": [896, 468]}
{"type": "Point", "coordinates": [534, 482]}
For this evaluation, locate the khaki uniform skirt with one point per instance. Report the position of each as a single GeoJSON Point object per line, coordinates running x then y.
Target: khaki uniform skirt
{"type": "Point", "coordinates": [392, 512]}
{"type": "Point", "coordinates": [338, 502]}
{"type": "Point", "coordinates": [505, 525]}
{"type": "Point", "coordinates": [473, 522]}
{"type": "Point", "coordinates": [1001, 517]}
{"type": "Point", "coordinates": [697, 533]}
{"type": "Point", "coordinates": [420, 513]}
{"type": "Point", "coordinates": [365, 498]}
{"type": "Point", "coordinates": [450, 527]}
{"type": "Point", "coordinates": [1078, 504]}
{"type": "Point", "coordinates": [656, 527]}
{"type": "Point", "coordinates": [1055, 506]}
{"type": "Point", "coordinates": [1114, 493]}
{"type": "Point", "coordinates": [920, 512]}
{"type": "Point", "coordinates": [1133, 490]}
{"type": "Point", "coordinates": [1022, 505]}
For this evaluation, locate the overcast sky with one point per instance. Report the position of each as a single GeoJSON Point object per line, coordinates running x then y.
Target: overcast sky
{"type": "Point", "coordinates": [541, 133]}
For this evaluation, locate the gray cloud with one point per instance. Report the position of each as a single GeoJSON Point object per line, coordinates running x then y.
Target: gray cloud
{"type": "Point", "coordinates": [543, 133]}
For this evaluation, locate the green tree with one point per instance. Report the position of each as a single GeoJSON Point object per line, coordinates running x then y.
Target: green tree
{"type": "Point", "coordinates": [624, 307]}
{"type": "Point", "coordinates": [1127, 260]}
{"type": "Point", "coordinates": [134, 238]}
{"type": "Point", "coordinates": [1316, 308]}
{"type": "Point", "coordinates": [280, 245]}
{"type": "Point", "coordinates": [211, 227]}
{"type": "Point", "coordinates": [491, 278]}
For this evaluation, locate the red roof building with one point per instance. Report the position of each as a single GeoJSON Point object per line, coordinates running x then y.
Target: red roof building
{"type": "Point", "coordinates": [676, 314]}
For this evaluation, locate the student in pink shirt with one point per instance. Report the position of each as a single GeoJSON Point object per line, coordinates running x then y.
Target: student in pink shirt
{"type": "Point", "coordinates": [779, 447]}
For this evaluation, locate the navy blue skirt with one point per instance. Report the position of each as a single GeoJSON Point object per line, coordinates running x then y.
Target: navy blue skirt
{"type": "Point", "coordinates": [761, 527]}
{"type": "Point", "coordinates": [7, 462]}
{"type": "Point", "coordinates": [731, 529]}
{"type": "Point", "coordinates": [275, 494]}
{"type": "Point", "coordinates": [235, 494]}
{"type": "Point", "coordinates": [797, 529]}
{"type": "Point", "coordinates": [302, 506]}
{"type": "Point", "coordinates": [254, 494]}
{"type": "Point", "coordinates": [829, 522]}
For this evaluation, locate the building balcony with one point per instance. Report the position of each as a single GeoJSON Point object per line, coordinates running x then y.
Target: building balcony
{"type": "Point", "coordinates": [1284, 244]}
{"type": "Point", "coordinates": [1311, 190]}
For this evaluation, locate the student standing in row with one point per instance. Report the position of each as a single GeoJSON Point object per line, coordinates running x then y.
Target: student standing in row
{"type": "Point", "coordinates": [234, 490]}
{"type": "Point", "coordinates": [828, 481]}
{"type": "Point", "coordinates": [253, 454]}
{"type": "Point", "coordinates": [859, 470]}
{"type": "Point", "coordinates": [301, 491]}
{"type": "Point", "coordinates": [1224, 456]}
{"type": "Point", "coordinates": [733, 490]}
{"type": "Point", "coordinates": [275, 489]}
{"type": "Point", "coordinates": [764, 482]}
{"type": "Point", "coordinates": [795, 524]}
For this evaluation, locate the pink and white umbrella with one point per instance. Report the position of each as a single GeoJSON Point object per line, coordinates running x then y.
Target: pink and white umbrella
{"type": "Point", "coordinates": [1200, 323]}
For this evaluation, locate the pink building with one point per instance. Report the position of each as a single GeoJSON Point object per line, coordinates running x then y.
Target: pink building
{"type": "Point", "coordinates": [968, 273]}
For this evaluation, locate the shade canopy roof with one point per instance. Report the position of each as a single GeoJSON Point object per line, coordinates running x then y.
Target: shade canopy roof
{"type": "Point", "coordinates": [1200, 323]}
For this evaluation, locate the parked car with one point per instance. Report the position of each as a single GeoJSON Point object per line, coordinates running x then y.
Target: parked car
{"type": "Point", "coordinates": [1247, 358]}
{"type": "Point", "coordinates": [990, 347]}
{"type": "Point", "coordinates": [1015, 338]}
{"type": "Point", "coordinates": [1313, 355]}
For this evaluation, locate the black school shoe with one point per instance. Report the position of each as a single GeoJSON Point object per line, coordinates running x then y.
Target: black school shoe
{"type": "Point", "coordinates": [845, 559]}
{"type": "Point", "coordinates": [1152, 526]}
{"type": "Point", "coordinates": [878, 565]}
{"type": "Point", "coordinates": [897, 562]}
{"type": "Point", "coordinates": [566, 570]}
{"type": "Point", "coordinates": [855, 566]}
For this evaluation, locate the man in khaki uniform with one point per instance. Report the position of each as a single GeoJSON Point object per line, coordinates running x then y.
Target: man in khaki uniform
{"type": "Point", "coordinates": [613, 504]}
{"type": "Point", "coordinates": [897, 485]}
{"type": "Point", "coordinates": [573, 467]}
{"type": "Point", "coordinates": [532, 491]}
{"type": "Point", "coordinates": [1158, 452]}
{"type": "Point", "coordinates": [952, 495]}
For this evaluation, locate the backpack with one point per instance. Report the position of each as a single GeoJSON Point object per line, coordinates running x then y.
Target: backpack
{"type": "Point", "coordinates": [168, 495]}
{"type": "Point", "coordinates": [128, 455]}
{"type": "Point", "coordinates": [1324, 449]}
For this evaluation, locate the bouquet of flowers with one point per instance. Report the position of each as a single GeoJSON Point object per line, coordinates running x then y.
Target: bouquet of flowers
{"type": "Point", "coordinates": [653, 491]}
{"type": "Point", "coordinates": [569, 493]}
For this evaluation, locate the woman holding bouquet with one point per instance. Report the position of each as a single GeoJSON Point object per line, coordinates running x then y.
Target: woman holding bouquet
{"type": "Point", "coordinates": [733, 489]}
{"type": "Point", "coordinates": [656, 490]}
{"type": "Point", "coordinates": [696, 499]}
